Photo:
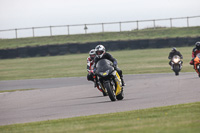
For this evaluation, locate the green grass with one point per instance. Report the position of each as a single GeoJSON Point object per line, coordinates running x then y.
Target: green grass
{"type": "Point", "coordinates": [183, 118]}
{"type": "Point", "coordinates": [130, 61]}
{"type": "Point", "coordinates": [128, 35]}
{"type": "Point", "coordinates": [16, 90]}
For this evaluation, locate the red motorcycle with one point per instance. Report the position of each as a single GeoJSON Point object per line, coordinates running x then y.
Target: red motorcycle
{"type": "Point", "coordinates": [197, 64]}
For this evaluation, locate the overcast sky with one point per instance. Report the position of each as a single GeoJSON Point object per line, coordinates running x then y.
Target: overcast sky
{"type": "Point", "coordinates": [33, 13]}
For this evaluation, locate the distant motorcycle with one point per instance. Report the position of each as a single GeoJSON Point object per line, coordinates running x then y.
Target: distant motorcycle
{"type": "Point", "coordinates": [197, 64]}
{"type": "Point", "coordinates": [109, 80]}
{"type": "Point", "coordinates": [176, 64]}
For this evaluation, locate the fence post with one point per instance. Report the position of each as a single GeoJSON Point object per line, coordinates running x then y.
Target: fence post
{"type": "Point", "coordinates": [120, 26]}
{"type": "Point", "coordinates": [171, 22]}
{"type": "Point", "coordinates": [33, 32]}
{"type": "Point", "coordinates": [50, 31]}
{"type": "Point", "coordinates": [137, 25]}
{"type": "Point", "coordinates": [154, 24]}
{"type": "Point", "coordinates": [102, 27]}
{"type": "Point", "coordinates": [16, 33]}
{"type": "Point", "coordinates": [68, 29]}
{"type": "Point", "coordinates": [85, 28]}
{"type": "Point", "coordinates": [187, 21]}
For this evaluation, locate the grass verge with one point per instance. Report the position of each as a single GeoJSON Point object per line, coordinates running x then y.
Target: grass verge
{"type": "Point", "coordinates": [106, 36]}
{"type": "Point", "coordinates": [183, 118]}
{"type": "Point", "coordinates": [16, 90]}
{"type": "Point", "coordinates": [130, 61]}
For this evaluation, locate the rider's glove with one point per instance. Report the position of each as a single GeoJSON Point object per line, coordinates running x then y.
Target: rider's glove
{"type": "Point", "coordinates": [91, 71]}
{"type": "Point", "coordinates": [115, 64]}
{"type": "Point", "coordinates": [94, 70]}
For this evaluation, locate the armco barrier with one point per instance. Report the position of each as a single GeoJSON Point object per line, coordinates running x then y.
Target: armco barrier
{"type": "Point", "coordinates": [62, 49]}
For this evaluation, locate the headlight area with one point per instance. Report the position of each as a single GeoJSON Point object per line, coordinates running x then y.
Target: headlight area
{"type": "Point", "coordinates": [104, 73]}
{"type": "Point", "coordinates": [176, 60]}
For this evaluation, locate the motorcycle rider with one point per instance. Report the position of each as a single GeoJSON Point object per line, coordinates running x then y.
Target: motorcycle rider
{"type": "Point", "coordinates": [174, 52]}
{"type": "Point", "coordinates": [195, 51]}
{"type": "Point", "coordinates": [90, 65]}
{"type": "Point", "coordinates": [102, 54]}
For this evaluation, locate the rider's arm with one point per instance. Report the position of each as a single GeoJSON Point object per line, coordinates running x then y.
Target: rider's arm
{"type": "Point", "coordinates": [193, 53]}
{"type": "Point", "coordinates": [110, 57]}
{"type": "Point", "coordinates": [95, 62]}
{"type": "Point", "coordinates": [180, 55]}
{"type": "Point", "coordinates": [170, 55]}
{"type": "Point", "coordinates": [88, 64]}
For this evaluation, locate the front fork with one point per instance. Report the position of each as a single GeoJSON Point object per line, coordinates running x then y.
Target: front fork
{"type": "Point", "coordinates": [98, 84]}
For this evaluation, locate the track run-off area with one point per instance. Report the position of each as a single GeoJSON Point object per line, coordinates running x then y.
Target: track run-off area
{"type": "Point", "coordinates": [71, 97]}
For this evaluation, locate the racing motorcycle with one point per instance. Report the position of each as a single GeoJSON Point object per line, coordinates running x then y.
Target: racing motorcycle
{"type": "Point", "coordinates": [109, 80]}
{"type": "Point", "coordinates": [197, 64]}
{"type": "Point", "coordinates": [176, 64]}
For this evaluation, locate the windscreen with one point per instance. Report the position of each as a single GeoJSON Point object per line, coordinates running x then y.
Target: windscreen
{"type": "Point", "coordinates": [176, 57]}
{"type": "Point", "coordinates": [103, 65]}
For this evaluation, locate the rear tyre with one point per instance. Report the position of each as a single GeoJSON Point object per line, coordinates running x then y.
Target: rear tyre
{"type": "Point", "coordinates": [110, 90]}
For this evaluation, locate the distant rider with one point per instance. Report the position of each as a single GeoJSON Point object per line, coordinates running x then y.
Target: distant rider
{"type": "Point", "coordinates": [195, 51]}
{"type": "Point", "coordinates": [102, 54]}
{"type": "Point", "coordinates": [173, 53]}
{"type": "Point", "coordinates": [90, 65]}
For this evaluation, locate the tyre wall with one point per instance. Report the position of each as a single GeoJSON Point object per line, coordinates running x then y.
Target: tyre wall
{"type": "Point", "coordinates": [62, 49]}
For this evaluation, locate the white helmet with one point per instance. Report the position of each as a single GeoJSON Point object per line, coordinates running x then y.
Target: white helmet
{"type": "Point", "coordinates": [100, 51]}
{"type": "Point", "coordinates": [92, 54]}
{"type": "Point", "coordinates": [197, 45]}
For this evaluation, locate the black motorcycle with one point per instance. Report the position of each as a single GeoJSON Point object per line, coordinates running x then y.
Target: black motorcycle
{"type": "Point", "coordinates": [109, 80]}
{"type": "Point", "coordinates": [176, 64]}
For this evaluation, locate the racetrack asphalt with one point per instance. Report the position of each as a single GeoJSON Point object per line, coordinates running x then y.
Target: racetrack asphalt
{"type": "Point", "coordinates": [71, 97]}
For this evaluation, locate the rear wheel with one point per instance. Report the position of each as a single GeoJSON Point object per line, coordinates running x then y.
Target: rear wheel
{"type": "Point", "coordinates": [110, 90]}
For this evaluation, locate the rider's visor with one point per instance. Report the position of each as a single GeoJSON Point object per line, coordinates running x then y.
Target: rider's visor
{"type": "Point", "coordinates": [92, 56]}
{"type": "Point", "coordinates": [99, 52]}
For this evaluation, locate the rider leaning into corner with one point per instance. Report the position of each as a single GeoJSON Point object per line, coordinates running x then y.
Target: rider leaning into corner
{"type": "Point", "coordinates": [102, 54]}
{"type": "Point", "coordinates": [195, 51]}
{"type": "Point", "coordinates": [90, 65]}
{"type": "Point", "coordinates": [173, 53]}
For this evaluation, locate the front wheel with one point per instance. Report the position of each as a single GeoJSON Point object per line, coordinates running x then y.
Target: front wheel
{"type": "Point", "coordinates": [120, 96]}
{"type": "Point", "coordinates": [110, 90]}
{"type": "Point", "coordinates": [176, 73]}
{"type": "Point", "coordinates": [176, 69]}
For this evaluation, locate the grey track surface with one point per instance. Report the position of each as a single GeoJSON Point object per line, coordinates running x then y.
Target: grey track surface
{"type": "Point", "coordinates": [71, 97]}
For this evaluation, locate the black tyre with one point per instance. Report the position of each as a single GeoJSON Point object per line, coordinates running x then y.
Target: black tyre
{"type": "Point", "coordinates": [104, 94]}
{"type": "Point", "coordinates": [199, 68]}
{"type": "Point", "coordinates": [120, 96]}
{"type": "Point", "coordinates": [176, 70]}
{"type": "Point", "coordinates": [176, 73]}
{"type": "Point", "coordinates": [111, 92]}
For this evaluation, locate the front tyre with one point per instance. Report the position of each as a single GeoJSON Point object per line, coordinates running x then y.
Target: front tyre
{"type": "Point", "coordinates": [120, 96]}
{"type": "Point", "coordinates": [110, 91]}
{"type": "Point", "coordinates": [176, 73]}
{"type": "Point", "coordinates": [176, 70]}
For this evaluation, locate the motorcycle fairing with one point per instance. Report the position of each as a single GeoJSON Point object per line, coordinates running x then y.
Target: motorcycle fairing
{"type": "Point", "coordinates": [197, 63]}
